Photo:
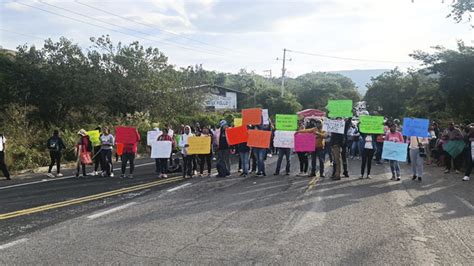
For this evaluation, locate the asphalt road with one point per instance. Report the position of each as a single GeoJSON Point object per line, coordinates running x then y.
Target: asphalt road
{"type": "Point", "coordinates": [253, 220]}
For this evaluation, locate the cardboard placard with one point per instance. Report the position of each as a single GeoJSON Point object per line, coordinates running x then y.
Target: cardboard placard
{"type": "Point", "coordinates": [284, 139]}
{"type": "Point", "coordinates": [152, 136]}
{"type": "Point", "coordinates": [259, 138]}
{"type": "Point", "coordinates": [334, 126]}
{"type": "Point", "coordinates": [395, 151]}
{"type": "Point", "coordinates": [286, 122]}
{"type": "Point", "coordinates": [252, 116]}
{"type": "Point", "coordinates": [237, 122]}
{"type": "Point", "coordinates": [199, 145]}
{"type": "Point", "coordinates": [417, 127]}
{"type": "Point", "coordinates": [371, 124]}
{"type": "Point", "coordinates": [236, 135]}
{"type": "Point", "coordinates": [265, 118]}
{"type": "Point", "coordinates": [305, 142]}
{"type": "Point", "coordinates": [126, 135]}
{"type": "Point", "coordinates": [161, 149]}
{"type": "Point", "coordinates": [94, 136]}
{"type": "Point", "coordinates": [339, 108]}
{"type": "Point", "coordinates": [454, 147]}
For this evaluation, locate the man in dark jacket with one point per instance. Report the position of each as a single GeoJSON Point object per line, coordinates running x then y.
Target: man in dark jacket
{"type": "Point", "coordinates": [55, 146]}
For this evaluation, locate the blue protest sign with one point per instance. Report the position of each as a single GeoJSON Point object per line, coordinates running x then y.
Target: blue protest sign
{"type": "Point", "coordinates": [417, 127]}
{"type": "Point", "coordinates": [395, 151]}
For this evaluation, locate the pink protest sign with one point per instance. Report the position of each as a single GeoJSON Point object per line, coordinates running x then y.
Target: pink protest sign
{"type": "Point", "coordinates": [126, 135]}
{"type": "Point", "coordinates": [305, 142]}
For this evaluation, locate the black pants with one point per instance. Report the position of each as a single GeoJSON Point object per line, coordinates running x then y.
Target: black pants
{"type": "Point", "coordinates": [97, 159]}
{"type": "Point", "coordinates": [188, 165]}
{"type": "Point", "coordinates": [55, 159]}
{"type": "Point", "coordinates": [106, 156]}
{"type": "Point", "coordinates": [283, 152]}
{"type": "Point", "coordinates": [253, 158]}
{"type": "Point", "coordinates": [303, 158]}
{"type": "Point", "coordinates": [79, 164]}
{"type": "Point", "coordinates": [367, 156]}
{"type": "Point", "coordinates": [128, 157]}
{"type": "Point", "coordinates": [205, 158]}
{"type": "Point", "coordinates": [457, 161]}
{"type": "Point", "coordinates": [378, 155]}
{"type": "Point", "coordinates": [468, 162]}
{"type": "Point", "coordinates": [161, 165]}
{"type": "Point", "coordinates": [344, 158]}
{"type": "Point", "coordinates": [3, 166]}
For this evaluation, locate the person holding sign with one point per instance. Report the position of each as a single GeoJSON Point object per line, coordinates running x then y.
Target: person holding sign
{"type": "Point", "coordinates": [303, 158]}
{"type": "Point", "coordinates": [452, 134]}
{"type": "Point", "coordinates": [187, 158]}
{"type": "Point", "coordinates": [55, 145]}
{"type": "Point", "coordinates": [316, 127]}
{"type": "Point", "coordinates": [394, 136]}
{"type": "Point", "coordinates": [97, 155]}
{"type": "Point", "coordinates": [417, 156]}
{"type": "Point", "coordinates": [244, 153]}
{"type": "Point", "coordinates": [162, 163]}
{"type": "Point", "coordinates": [128, 155]}
{"type": "Point", "coordinates": [368, 149]}
{"type": "Point", "coordinates": [223, 147]}
{"type": "Point", "coordinates": [205, 158]}
{"type": "Point", "coordinates": [107, 142]}
{"type": "Point", "coordinates": [83, 149]}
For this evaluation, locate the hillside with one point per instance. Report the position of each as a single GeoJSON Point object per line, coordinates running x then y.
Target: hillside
{"type": "Point", "coordinates": [361, 77]}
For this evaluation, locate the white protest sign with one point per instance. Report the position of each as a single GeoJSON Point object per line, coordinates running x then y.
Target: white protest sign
{"type": "Point", "coordinates": [284, 139]}
{"type": "Point", "coordinates": [160, 149]}
{"type": "Point", "coordinates": [152, 136]}
{"type": "Point", "coordinates": [170, 132]}
{"type": "Point", "coordinates": [265, 118]}
{"type": "Point", "coordinates": [334, 126]}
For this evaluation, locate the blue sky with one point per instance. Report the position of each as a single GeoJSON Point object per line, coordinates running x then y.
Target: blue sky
{"type": "Point", "coordinates": [229, 35]}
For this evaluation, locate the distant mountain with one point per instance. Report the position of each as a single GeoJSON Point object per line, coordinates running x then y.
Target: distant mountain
{"type": "Point", "coordinates": [361, 77]}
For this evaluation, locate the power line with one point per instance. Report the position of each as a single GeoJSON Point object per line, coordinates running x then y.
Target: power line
{"type": "Point", "coordinates": [155, 27]}
{"type": "Point", "coordinates": [23, 34]}
{"type": "Point", "coordinates": [114, 30]}
{"type": "Point", "coordinates": [348, 58]}
{"type": "Point", "coordinates": [115, 25]}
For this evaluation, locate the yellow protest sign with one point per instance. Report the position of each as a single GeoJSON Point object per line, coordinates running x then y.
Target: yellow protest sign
{"type": "Point", "coordinates": [199, 145]}
{"type": "Point", "coordinates": [237, 122]}
{"type": "Point", "coordinates": [94, 136]}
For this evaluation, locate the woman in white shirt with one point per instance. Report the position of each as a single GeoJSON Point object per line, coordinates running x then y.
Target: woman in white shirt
{"type": "Point", "coordinates": [417, 155]}
{"type": "Point", "coordinates": [3, 165]}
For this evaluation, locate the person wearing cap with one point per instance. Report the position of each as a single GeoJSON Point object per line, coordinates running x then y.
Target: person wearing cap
{"type": "Point", "coordinates": [84, 145]}
{"type": "Point", "coordinates": [107, 142]}
{"type": "Point", "coordinates": [452, 133]}
{"type": "Point", "coordinates": [3, 165]}
{"type": "Point", "coordinates": [223, 147]}
{"type": "Point", "coordinates": [55, 146]}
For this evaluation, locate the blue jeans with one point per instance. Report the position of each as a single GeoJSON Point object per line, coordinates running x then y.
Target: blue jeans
{"type": "Point", "coordinates": [283, 152]}
{"type": "Point", "coordinates": [395, 167]}
{"type": "Point", "coordinates": [355, 148]}
{"type": "Point", "coordinates": [260, 154]}
{"type": "Point", "coordinates": [319, 154]}
{"type": "Point", "coordinates": [244, 158]}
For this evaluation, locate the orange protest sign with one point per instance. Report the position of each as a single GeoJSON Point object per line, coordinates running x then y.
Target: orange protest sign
{"type": "Point", "coordinates": [252, 116]}
{"type": "Point", "coordinates": [259, 138]}
{"type": "Point", "coordinates": [236, 135]}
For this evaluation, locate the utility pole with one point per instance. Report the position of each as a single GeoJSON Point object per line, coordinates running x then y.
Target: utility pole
{"type": "Point", "coordinates": [283, 70]}
{"type": "Point", "coordinates": [270, 73]}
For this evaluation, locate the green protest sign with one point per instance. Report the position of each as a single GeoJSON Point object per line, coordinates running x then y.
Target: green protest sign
{"type": "Point", "coordinates": [454, 147]}
{"type": "Point", "coordinates": [371, 124]}
{"type": "Point", "coordinates": [286, 122]}
{"type": "Point", "coordinates": [340, 108]}
{"type": "Point", "coordinates": [94, 137]}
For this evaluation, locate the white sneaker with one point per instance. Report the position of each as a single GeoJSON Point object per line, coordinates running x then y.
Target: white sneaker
{"type": "Point", "coordinates": [59, 175]}
{"type": "Point", "coordinates": [466, 178]}
{"type": "Point", "coordinates": [111, 174]}
{"type": "Point", "coordinates": [49, 175]}
{"type": "Point", "coordinates": [270, 155]}
{"type": "Point", "coordinates": [457, 172]}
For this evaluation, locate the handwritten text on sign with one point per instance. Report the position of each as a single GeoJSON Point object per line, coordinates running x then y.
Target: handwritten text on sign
{"type": "Point", "coordinates": [415, 127]}
{"type": "Point", "coordinates": [286, 122]}
{"type": "Point", "coordinates": [394, 151]}
{"type": "Point", "coordinates": [252, 116]}
{"type": "Point", "coordinates": [152, 136]}
{"type": "Point", "coordinates": [199, 145]}
{"type": "Point", "coordinates": [371, 124]}
{"type": "Point", "coordinates": [334, 126]}
{"type": "Point", "coordinates": [284, 139]}
{"type": "Point", "coordinates": [161, 149]}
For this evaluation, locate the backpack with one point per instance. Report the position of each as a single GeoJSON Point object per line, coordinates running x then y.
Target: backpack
{"type": "Point", "coordinates": [53, 144]}
{"type": "Point", "coordinates": [222, 169]}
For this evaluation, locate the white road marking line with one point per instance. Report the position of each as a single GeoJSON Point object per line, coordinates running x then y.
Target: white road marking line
{"type": "Point", "coordinates": [469, 205]}
{"type": "Point", "coordinates": [178, 187]}
{"type": "Point", "coordinates": [11, 244]}
{"type": "Point", "coordinates": [61, 178]}
{"type": "Point", "coordinates": [97, 215]}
